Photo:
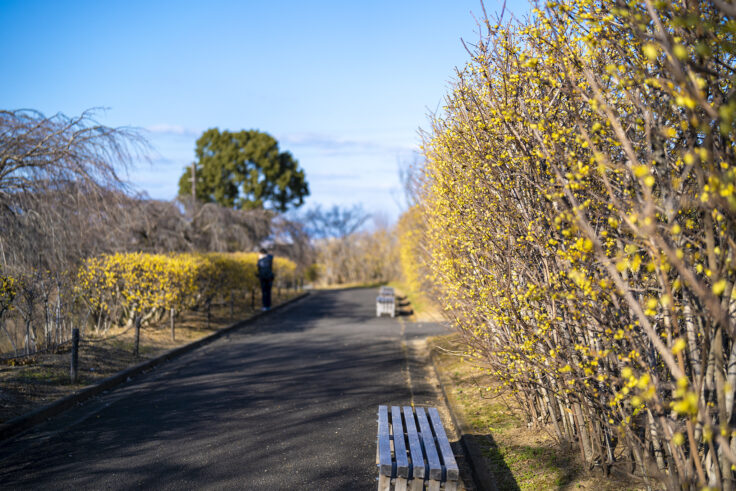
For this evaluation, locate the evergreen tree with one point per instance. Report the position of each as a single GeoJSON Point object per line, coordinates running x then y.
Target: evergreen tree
{"type": "Point", "coordinates": [245, 170]}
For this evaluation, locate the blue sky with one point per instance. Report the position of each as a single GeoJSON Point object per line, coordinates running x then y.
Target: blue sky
{"type": "Point", "coordinates": [343, 85]}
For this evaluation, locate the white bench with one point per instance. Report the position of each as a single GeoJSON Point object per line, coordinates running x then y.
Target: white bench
{"type": "Point", "coordinates": [413, 451]}
{"type": "Point", "coordinates": [386, 302]}
{"type": "Point", "coordinates": [386, 290]}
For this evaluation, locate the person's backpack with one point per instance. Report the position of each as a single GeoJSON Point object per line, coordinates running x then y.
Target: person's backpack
{"type": "Point", "coordinates": [265, 267]}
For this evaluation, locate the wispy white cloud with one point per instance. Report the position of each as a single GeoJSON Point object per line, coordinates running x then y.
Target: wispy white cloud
{"type": "Point", "coordinates": [172, 129]}
{"type": "Point", "coordinates": [318, 142]}
{"type": "Point", "coordinates": [334, 176]}
{"type": "Point", "coordinates": [332, 145]}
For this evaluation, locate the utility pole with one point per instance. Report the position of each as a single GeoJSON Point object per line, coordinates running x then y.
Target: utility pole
{"type": "Point", "coordinates": [194, 181]}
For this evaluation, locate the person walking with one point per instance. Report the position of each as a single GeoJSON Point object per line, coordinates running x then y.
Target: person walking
{"type": "Point", "coordinates": [265, 275]}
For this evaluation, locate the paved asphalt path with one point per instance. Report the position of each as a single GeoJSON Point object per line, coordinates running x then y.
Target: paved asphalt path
{"type": "Point", "coordinates": [286, 403]}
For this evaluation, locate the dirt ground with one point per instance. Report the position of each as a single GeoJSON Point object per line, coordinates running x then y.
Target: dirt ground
{"type": "Point", "coordinates": [30, 383]}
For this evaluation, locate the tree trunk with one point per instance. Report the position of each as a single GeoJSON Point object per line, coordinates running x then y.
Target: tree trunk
{"type": "Point", "coordinates": [57, 327]}
{"type": "Point", "coordinates": [47, 320]}
{"type": "Point", "coordinates": [28, 336]}
{"type": "Point", "coordinates": [587, 448]}
{"type": "Point", "coordinates": [658, 453]}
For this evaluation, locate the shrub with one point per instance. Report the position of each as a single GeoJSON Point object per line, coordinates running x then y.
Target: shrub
{"type": "Point", "coordinates": [579, 206]}
{"type": "Point", "coordinates": [119, 286]}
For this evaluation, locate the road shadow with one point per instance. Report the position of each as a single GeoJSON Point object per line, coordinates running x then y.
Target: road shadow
{"type": "Point", "coordinates": [532, 461]}
{"type": "Point", "coordinates": [403, 306]}
{"type": "Point", "coordinates": [493, 471]}
{"type": "Point", "coordinates": [318, 306]}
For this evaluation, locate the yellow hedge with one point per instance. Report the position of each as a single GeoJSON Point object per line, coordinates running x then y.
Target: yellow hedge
{"type": "Point", "coordinates": [118, 284]}
{"type": "Point", "coordinates": [581, 227]}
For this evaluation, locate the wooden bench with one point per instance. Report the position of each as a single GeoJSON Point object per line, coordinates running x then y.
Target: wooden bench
{"type": "Point", "coordinates": [386, 302]}
{"type": "Point", "coordinates": [413, 450]}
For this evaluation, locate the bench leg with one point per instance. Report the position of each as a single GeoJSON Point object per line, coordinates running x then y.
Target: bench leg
{"type": "Point", "coordinates": [400, 484]}
{"type": "Point", "coordinates": [384, 483]}
{"type": "Point", "coordinates": [417, 485]}
{"type": "Point", "coordinates": [433, 485]}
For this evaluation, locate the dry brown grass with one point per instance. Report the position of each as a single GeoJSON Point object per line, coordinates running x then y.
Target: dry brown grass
{"type": "Point", "coordinates": [520, 456]}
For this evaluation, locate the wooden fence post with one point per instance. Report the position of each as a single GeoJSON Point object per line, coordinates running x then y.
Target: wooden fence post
{"type": "Point", "coordinates": [75, 356]}
{"type": "Point", "coordinates": [137, 334]}
{"type": "Point", "coordinates": [172, 312]}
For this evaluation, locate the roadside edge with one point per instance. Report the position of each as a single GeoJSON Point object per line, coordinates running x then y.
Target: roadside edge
{"type": "Point", "coordinates": [482, 474]}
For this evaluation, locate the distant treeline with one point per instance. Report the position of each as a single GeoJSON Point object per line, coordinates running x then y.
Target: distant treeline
{"type": "Point", "coordinates": [64, 209]}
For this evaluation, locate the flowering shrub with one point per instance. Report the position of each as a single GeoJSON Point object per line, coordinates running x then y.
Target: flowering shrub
{"type": "Point", "coordinates": [118, 286]}
{"type": "Point", "coordinates": [579, 206]}
{"type": "Point", "coordinates": [123, 289]}
{"type": "Point", "coordinates": [284, 270]}
{"type": "Point", "coordinates": [7, 292]}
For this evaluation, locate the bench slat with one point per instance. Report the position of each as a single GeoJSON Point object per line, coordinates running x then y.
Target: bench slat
{"type": "Point", "coordinates": [453, 473]}
{"type": "Point", "coordinates": [402, 460]}
{"type": "Point", "coordinates": [415, 447]}
{"type": "Point", "coordinates": [435, 468]}
{"type": "Point", "coordinates": [385, 465]}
